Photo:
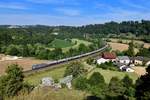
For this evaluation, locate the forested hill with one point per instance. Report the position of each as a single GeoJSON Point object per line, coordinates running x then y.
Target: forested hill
{"type": "Point", "coordinates": [135, 27]}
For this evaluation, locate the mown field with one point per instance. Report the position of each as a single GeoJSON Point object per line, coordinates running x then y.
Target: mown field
{"type": "Point", "coordinates": [77, 42]}
{"type": "Point", "coordinates": [35, 79]}
{"type": "Point", "coordinates": [66, 45]}
{"type": "Point", "coordinates": [57, 43]}
{"type": "Point", "coordinates": [108, 74]}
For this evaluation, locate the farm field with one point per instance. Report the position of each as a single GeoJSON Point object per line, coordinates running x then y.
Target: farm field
{"type": "Point", "coordinates": [118, 46]}
{"type": "Point", "coordinates": [109, 74]}
{"type": "Point", "coordinates": [57, 43]}
{"type": "Point", "coordinates": [25, 63]}
{"type": "Point", "coordinates": [78, 42]}
{"type": "Point", "coordinates": [66, 45]}
{"type": "Point", "coordinates": [51, 94]}
{"type": "Point", "coordinates": [35, 78]}
{"type": "Point", "coordinates": [125, 41]}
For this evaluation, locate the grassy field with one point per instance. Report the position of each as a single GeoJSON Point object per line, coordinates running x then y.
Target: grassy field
{"type": "Point", "coordinates": [78, 42]}
{"type": "Point", "coordinates": [51, 94]}
{"type": "Point", "coordinates": [66, 45]}
{"type": "Point", "coordinates": [35, 79]}
{"type": "Point", "coordinates": [109, 74]}
{"type": "Point", "coordinates": [57, 43]}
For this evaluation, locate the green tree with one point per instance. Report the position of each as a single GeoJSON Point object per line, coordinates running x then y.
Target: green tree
{"type": "Point", "coordinates": [115, 89]}
{"type": "Point", "coordinates": [127, 81]}
{"type": "Point", "coordinates": [12, 50]}
{"type": "Point", "coordinates": [80, 83]}
{"type": "Point", "coordinates": [82, 48]}
{"type": "Point", "coordinates": [96, 79]}
{"type": "Point", "coordinates": [11, 83]}
{"type": "Point", "coordinates": [43, 54]}
{"type": "Point", "coordinates": [130, 52]}
{"type": "Point", "coordinates": [129, 87]}
{"type": "Point", "coordinates": [90, 61]}
{"type": "Point", "coordinates": [96, 85]}
{"type": "Point", "coordinates": [75, 69]}
{"type": "Point", "coordinates": [143, 87]}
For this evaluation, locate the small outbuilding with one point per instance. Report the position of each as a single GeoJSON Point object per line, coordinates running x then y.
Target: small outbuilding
{"type": "Point", "coordinates": [123, 60]}
{"type": "Point", "coordinates": [138, 60]}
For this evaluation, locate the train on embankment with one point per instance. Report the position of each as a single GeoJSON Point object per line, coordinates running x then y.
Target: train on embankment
{"type": "Point", "coordinates": [49, 64]}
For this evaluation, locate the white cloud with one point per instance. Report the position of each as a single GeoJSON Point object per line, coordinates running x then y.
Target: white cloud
{"type": "Point", "coordinates": [12, 6]}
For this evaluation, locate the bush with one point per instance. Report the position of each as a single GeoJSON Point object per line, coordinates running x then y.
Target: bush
{"type": "Point", "coordinates": [96, 79]}
{"type": "Point", "coordinates": [90, 61]}
{"type": "Point", "coordinates": [12, 83]}
{"type": "Point", "coordinates": [80, 83]}
{"type": "Point", "coordinates": [75, 69]}
{"type": "Point", "coordinates": [108, 66]}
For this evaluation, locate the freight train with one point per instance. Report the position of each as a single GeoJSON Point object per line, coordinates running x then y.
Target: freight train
{"type": "Point", "coordinates": [44, 65]}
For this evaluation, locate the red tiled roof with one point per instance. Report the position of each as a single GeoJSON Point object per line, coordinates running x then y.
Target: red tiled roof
{"type": "Point", "coordinates": [108, 55]}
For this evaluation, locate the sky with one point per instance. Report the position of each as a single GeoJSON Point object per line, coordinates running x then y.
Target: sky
{"type": "Point", "coordinates": [71, 12]}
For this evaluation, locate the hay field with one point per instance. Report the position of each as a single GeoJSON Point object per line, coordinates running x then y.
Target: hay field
{"type": "Point", "coordinates": [118, 46]}
{"type": "Point", "coordinates": [126, 41]}
{"type": "Point", "coordinates": [25, 63]}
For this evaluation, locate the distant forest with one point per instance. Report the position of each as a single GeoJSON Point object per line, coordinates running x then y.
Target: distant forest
{"type": "Point", "coordinates": [43, 34]}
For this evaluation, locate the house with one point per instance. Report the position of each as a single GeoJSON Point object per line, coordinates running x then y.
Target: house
{"type": "Point", "coordinates": [138, 60]}
{"type": "Point", "coordinates": [109, 56]}
{"type": "Point", "coordinates": [102, 60]}
{"type": "Point", "coordinates": [66, 80]}
{"type": "Point", "coordinates": [106, 57]}
{"type": "Point", "coordinates": [47, 81]}
{"type": "Point", "coordinates": [123, 60]}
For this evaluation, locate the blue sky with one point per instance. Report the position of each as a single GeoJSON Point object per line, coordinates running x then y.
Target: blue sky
{"type": "Point", "coordinates": [72, 12]}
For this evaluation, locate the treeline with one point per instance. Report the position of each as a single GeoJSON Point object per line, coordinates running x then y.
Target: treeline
{"type": "Point", "coordinates": [42, 34]}
{"type": "Point", "coordinates": [41, 51]}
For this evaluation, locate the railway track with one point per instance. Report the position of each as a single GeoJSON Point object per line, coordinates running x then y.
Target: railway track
{"type": "Point", "coordinates": [56, 64]}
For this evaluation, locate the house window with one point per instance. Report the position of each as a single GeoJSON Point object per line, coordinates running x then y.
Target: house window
{"type": "Point", "coordinates": [124, 61]}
